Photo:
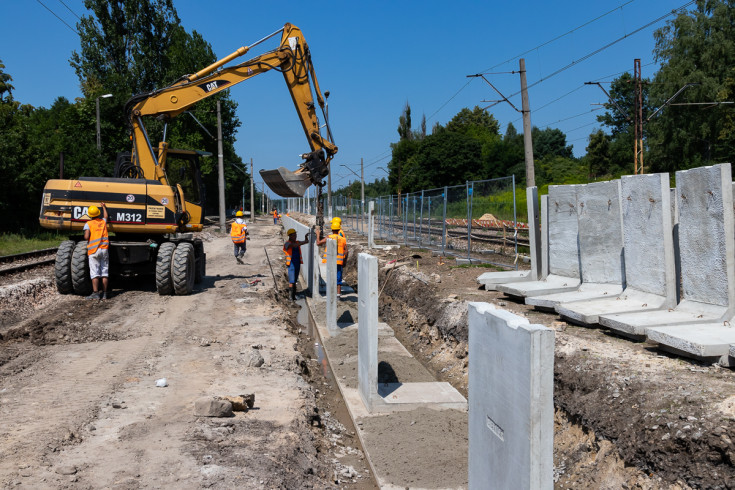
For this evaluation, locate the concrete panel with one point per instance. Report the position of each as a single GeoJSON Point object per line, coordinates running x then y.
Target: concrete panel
{"type": "Point", "coordinates": [585, 292]}
{"type": "Point", "coordinates": [706, 242]}
{"type": "Point", "coordinates": [511, 416]}
{"type": "Point", "coordinates": [331, 281]}
{"type": "Point", "coordinates": [367, 338]}
{"type": "Point", "coordinates": [648, 253]}
{"type": "Point", "coordinates": [563, 247]}
{"type": "Point", "coordinates": [491, 279]}
{"type": "Point", "coordinates": [706, 234]}
{"type": "Point", "coordinates": [703, 342]}
{"type": "Point", "coordinates": [600, 233]}
{"type": "Point", "coordinates": [544, 236]}
{"type": "Point", "coordinates": [534, 233]}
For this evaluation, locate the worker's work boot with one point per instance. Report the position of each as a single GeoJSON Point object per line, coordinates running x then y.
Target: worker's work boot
{"type": "Point", "coordinates": [94, 295]}
{"type": "Point", "coordinates": [239, 261]}
{"type": "Point", "coordinates": [293, 293]}
{"type": "Point", "coordinates": [104, 295]}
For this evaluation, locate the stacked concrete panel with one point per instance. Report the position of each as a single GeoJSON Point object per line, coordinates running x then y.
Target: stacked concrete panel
{"type": "Point", "coordinates": [491, 279]}
{"type": "Point", "coordinates": [648, 253]}
{"type": "Point", "coordinates": [706, 247]}
{"type": "Point", "coordinates": [331, 280]}
{"type": "Point", "coordinates": [563, 249]}
{"type": "Point", "coordinates": [511, 413]}
{"type": "Point", "coordinates": [600, 246]}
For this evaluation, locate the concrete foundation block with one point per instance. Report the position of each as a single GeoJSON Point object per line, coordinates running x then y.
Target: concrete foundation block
{"type": "Point", "coordinates": [511, 414]}
{"type": "Point", "coordinates": [585, 292]}
{"type": "Point", "coordinates": [705, 342]}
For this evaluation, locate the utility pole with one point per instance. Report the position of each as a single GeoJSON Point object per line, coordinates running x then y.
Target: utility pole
{"type": "Point", "coordinates": [527, 129]}
{"type": "Point", "coordinates": [221, 171]}
{"type": "Point", "coordinates": [638, 117]}
{"type": "Point", "coordinates": [252, 192]}
{"type": "Point", "coordinates": [329, 194]}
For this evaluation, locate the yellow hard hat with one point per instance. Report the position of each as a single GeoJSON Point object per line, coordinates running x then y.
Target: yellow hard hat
{"type": "Point", "coordinates": [93, 211]}
{"type": "Point", "coordinates": [337, 221]}
{"type": "Point", "coordinates": [238, 214]}
{"type": "Point", "coordinates": [290, 231]}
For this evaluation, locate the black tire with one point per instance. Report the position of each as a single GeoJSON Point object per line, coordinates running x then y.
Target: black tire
{"type": "Point", "coordinates": [164, 258]}
{"type": "Point", "coordinates": [80, 279]}
{"type": "Point", "coordinates": [183, 269]}
{"type": "Point", "coordinates": [201, 257]}
{"type": "Point", "coordinates": [62, 268]}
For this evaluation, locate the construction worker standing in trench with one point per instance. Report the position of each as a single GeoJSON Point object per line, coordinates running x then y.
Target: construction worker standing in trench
{"type": "Point", "coordinates": [292, 249]}
{"type": "Point", "coordinates": [342, 252]}
{"type": "Point", "coordinates": [95, 233]}
{"type": "Point", "coordinates": [239, 235]}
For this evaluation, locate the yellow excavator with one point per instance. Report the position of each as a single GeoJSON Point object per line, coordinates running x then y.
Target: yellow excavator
{"type": "Point", "coordinates": [156, 199]}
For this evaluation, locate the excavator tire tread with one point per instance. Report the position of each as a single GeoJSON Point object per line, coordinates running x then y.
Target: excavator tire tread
{"type": "Point", "coordinates": [62, 267]}
{"type": "Point", "coordinates": [201, 257]}
{"type": "Point", "coordinates": [81, 282]}
{"type": "Point", "coordinates": [183, 268]}
{"type": "Point", "coordinates": [164, 267]}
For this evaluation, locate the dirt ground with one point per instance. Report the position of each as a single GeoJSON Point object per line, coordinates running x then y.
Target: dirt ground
{"type": "Point", "coordinates": [80, 407]}
{"type": "Point", "coordinates": [627, 414]}
{"type": "Point", "coordinates": [79, 401]}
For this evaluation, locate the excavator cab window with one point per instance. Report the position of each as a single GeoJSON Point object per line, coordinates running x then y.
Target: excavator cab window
{"type": "Point", "coordinates": [183, 169]}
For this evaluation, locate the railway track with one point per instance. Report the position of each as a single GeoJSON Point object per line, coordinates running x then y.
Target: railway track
{"type": "Point", "coordinates": [487, 237]}
{"type": "Point", "coordinates": [10, 264]}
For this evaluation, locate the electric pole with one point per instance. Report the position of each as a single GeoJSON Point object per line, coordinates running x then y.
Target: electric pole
{"type": "Point", "coordinates": [638, 117]}
{"type": "Point", "coordinates": [527, 129]}
{"type": "Point", "coordinates": [252, 193]}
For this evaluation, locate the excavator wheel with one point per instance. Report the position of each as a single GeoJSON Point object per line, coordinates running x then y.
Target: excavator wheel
{"type": "Point", "coordinates": [164, 277]}
{"type": "Point", "coordinates": [81, 282]}
{"type": "Point", "coordinates": [62, 268]}
{"type": "Point", "coordinates": [183, 268]}
{"type": "Point", "coordinates": [201, 266]}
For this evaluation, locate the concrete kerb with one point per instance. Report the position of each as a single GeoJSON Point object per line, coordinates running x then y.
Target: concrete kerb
{"type": "Point", "coordinates": [648, 253]}
{"type": "Point", "coordinates": [491, 279]}
{"type": "Point", "coordinates": [707, 248]}
{"type": "Point", "coordinates": [331, 280]}
{"type": "Point", "coordinates": [563, 248]}
{"type": "Point", "coordinates": [511, 414]}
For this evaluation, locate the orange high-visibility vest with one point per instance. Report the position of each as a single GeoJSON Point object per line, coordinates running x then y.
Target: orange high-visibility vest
{"type": "Point", "coordinates": [341, 245]}
{"type": "Point", "coordinates": [289, 251]}
{"type": "Point", "coordinates": [97, 235]}
{"type": "Point", "coordinates": [238, 232]}
{"type": "Point", "coordinates": [275, 214]}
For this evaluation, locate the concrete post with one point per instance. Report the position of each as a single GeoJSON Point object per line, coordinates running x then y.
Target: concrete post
{"type": "Point", "coordinates": [367, 329]}
{"type": "Point", "coordinates": [511, 412]}
{"type": "Point", "coordinates": [371, 224]}
{"type": "Point", "coordinates": [331, 281]}
{"type": "Point", "coordinates": [534, 234]}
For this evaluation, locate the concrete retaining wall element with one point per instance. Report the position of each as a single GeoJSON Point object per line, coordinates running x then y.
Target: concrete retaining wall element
{"type": "Point", "coordinates": [331, 281]}
{"type": "Point", "coordinates": [648, 235]}
{"type": "Point", "coordinates": [511, 411]}
{"type": "Point", "coordinates": [563, 229]}
{"type": "Point", "coordinates": [534, 233]}
{"type": "Point", "coordinates": [706, 235]}
{"type": "Point", "coordinates": [367, 337]}
{"type": "Point", "coordinates": [544, 226]}
{"type": "Point", "coordinates": [600, 233]}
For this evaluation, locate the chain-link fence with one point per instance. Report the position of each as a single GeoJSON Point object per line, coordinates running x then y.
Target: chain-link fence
{"type": "Point", "coordinates": [479, 220]}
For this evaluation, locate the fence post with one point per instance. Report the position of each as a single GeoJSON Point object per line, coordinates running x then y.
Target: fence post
{"type": "Point", "coordinates": [444, 222]}
{"type": "Point", "coordinates": [469, 215]}
{"type": "Point", "coordinates": [414, 218]}
{"type": "Point", "coordinates": [515, 220]}
{"type": "Point", "coordinates": [421, 219]}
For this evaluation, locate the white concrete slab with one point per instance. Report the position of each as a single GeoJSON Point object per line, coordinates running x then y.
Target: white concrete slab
{"type": "Point", "coordinates": [491, 279]}
{"type": "Point", "coordinates": [629, 301]}
{"type": "Point", "coordinates": [634, 325]}
{"type": "Point", "coordinates": [586, 291]}
{"type": "Point", "coordinates": [707, 340]}
{"type": "Point", "coordinates": [551, 285]}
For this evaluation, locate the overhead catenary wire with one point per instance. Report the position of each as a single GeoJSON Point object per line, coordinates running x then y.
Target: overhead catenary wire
{"type": "Point", "coordinates": [55, 15]}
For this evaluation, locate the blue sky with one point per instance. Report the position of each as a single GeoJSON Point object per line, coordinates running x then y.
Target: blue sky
{"type": "Point", "coordinates": [374, 57]}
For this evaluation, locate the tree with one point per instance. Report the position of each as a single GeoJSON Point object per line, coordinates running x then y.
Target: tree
{"type": "Point", "coordinates": [550, 141]}
{"type": "Point", "coordinates": [466, 119]}
{"type": "Point", "coordinates": [697, 47]}
{"type": "Point", "coordinates": [5, 85]}
{"type": "Point", "coordinates": [598, 154]}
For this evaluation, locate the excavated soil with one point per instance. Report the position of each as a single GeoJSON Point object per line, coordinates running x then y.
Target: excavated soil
{"type": "Point", "coordinates": [627, 414]}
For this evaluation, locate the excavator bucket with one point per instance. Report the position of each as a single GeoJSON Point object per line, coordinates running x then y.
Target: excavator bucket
{"type": "Point", "coordinates": [286, 183]}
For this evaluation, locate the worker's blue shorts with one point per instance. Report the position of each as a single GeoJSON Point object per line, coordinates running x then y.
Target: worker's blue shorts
{"type": "Point", "coordinates": [293, 272]}
{"type": "Point", "coordinates": [339, 274]}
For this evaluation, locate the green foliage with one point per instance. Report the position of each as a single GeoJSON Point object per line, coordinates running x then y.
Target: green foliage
{"type": "Point", "coordinates": [15, 243]}
{"type": "Point", "coordinates": [698, 47]}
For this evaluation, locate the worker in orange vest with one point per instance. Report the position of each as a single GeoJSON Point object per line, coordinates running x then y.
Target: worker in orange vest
{"type": "Point", "coordinates": [294, 259]}
{"type": "Point", "coordinates": [95, 233]}
{"type": "Point", "coordinates": [239, 235]}
{"type": "Point", "coordinates": [342, 252]}
{"type": "Point", "coordinates": [275, 216]}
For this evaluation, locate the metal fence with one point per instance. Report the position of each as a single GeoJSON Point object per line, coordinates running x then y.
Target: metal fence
{"type": "Point", "coordinates": [478, 220]}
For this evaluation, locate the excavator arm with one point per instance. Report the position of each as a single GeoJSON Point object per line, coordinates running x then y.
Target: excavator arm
{"type": "Point", "coordinates": [293, 59]}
